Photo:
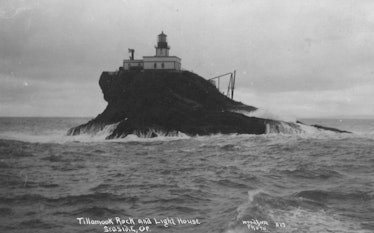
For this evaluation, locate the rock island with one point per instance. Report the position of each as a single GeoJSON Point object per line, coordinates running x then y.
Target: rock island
{"type": "Point", "coordinates": [152, 96]}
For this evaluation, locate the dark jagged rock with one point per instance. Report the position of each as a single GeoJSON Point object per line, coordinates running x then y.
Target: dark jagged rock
{"type": "Point", "coordinates": [330, 129]}
{"type": "Point", "coordinates": [144, 103]}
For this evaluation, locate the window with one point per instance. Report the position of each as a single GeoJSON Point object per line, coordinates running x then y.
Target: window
{"type": "Point", "coordinates": [155, 65]}
{"type": "Point", "coordinates": [162, 65]}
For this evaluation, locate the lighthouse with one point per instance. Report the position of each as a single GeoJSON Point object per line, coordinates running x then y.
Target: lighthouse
{"type": "Point", "coordinates": [161, 61]}
{"type": "Point", "coordinates": [162, 48]}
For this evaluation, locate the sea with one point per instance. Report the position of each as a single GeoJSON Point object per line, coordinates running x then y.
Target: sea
{"type": "Point", "coordinates": [280, 182]}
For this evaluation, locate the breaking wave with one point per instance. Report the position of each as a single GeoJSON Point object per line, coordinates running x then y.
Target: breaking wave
{"type": "Point", "coordinates": [283, 128]}
{"type": "Point", "coordinates": [270, 213]}
{"type": "Point", "coordinates": [277, 124]}
{"type": "Point", "coordinates": [156, 133]}
{"type": "Point", "coordinates": [302, 183]}
{"type": "Point", "coordinates": [265, 114]}
{"type": "Point", "coordinates": [58, 136]}
{"type": "Point", "coordinates": [92, 135]}
{"type": "Point", "coordinates": [35, 131]}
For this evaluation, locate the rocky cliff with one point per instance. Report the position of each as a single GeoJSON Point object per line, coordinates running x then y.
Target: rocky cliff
{"type": "Point", "coordinates": [149, 102]}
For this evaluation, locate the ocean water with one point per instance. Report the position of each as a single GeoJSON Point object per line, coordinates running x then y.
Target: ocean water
{"type": "Point", "coordinates": [308, 182]}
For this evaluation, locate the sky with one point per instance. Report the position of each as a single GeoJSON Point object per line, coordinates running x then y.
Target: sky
{"type": "Point", "coordinates": [298, 59]}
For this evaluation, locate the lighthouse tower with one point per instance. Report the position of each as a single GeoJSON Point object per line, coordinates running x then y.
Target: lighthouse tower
{"type": "Point", "coordinates": [161, 61]}
{"type": "Point", "coordinates": [162, 48]}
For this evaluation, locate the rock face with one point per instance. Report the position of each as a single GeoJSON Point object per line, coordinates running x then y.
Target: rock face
{"type": "Point", "coordinates": [144, 103]}
{"type": "Point", "coordinates": [330, 129]}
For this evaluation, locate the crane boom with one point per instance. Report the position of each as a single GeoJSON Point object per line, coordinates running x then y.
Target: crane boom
{"type": "Point", "coordinates": [231, 85]}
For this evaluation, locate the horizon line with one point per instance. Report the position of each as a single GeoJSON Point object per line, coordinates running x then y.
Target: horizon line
{"type": "Point", "coordinates": [297, 118]}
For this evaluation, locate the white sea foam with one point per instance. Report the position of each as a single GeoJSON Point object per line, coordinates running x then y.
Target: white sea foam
{"type": "Point", "coordinates": [287, 124]}
{"type": "Point", "coordinates": [39, 133]}
{"type": "Point", "coordinates": [266, 114]}
{"type": "Point", "coordinates": [281, 124]}
{"type": "Point", "coordinates": [283, 127]}
{"type": "Point", "coordinates": [242, 210]}
{"type": "Point", "coordinates": [290, 219]}
{"type": "Point", "coordinates": [305, 221]}
{"type": "Point", "coordinates": [161, 136]}
{"type": "Point", "coordinates": [237, 230]}
{"type": "Point", "coordinates": [59, 136]}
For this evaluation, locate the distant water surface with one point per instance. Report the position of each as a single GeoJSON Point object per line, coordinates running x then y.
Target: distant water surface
{"type": "Point", "coordinates": [296, 183]}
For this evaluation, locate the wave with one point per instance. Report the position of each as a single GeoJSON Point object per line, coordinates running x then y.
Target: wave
{"type": "Point", "coordinates": [6, 212]}
{"type": "Point", "coordinates": [154, 134]}
{"type": "Point", "coordinates": [97, 135]}
{"type": "Point", "coordinates": [324, 196]}
{"type": "Point", "coordinates": [305, 173]}
{"type": "Point", "coordinates": [283, 128]}
{"type": "Point", "coordinates": [265, 114]}
{"type": "Point", "coordinates": [306, 221]}
{"type": "Point", "coordinates": [74, 200]}
{"type": "Point", "coordinates": [62, 138]}
{"type": "Point", "coordinates": [37, 224]}
{"type": "Point", "coordinates": [277, 124]}
{"type": "Point", "coordinates": [288, 214]}
{"type": "Point", "coordinates": [96, 211]}
{"type": "Point", "coordinates": [231, 184]}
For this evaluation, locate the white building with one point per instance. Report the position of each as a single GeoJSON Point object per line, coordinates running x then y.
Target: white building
{"type": "Point", "coordinates": [161, 61]}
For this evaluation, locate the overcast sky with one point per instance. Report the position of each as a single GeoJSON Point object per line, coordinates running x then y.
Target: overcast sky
{"type": "Point", "coordinates": [297, 58]}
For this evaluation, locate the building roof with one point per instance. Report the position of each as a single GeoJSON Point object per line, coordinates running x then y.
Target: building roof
{"type": "Point", "coordinates": [161, 56]}
{"type": "Point", "coordinates": [135, 60]}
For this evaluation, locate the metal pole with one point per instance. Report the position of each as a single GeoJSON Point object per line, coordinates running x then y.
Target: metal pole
{"type": "Point", "coordinates": [233, 86]}
{"type": "Point", "coordinates": [229, 86]}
